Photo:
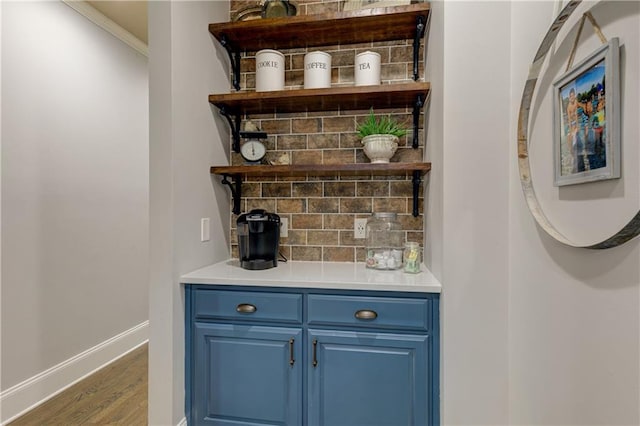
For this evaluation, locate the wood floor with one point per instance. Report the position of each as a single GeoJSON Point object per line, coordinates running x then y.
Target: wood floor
{"type": "Point", "coordinates": [114, 395]}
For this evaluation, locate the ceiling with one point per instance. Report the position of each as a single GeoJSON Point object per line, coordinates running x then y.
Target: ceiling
{"type": "Point", "coordinates": [130, 15]}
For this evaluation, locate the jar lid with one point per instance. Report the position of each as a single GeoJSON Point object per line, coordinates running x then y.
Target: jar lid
{"type": "Point", "coordinates": [412, 244]}
{"type": "Point", "coordinates": [386, 215]}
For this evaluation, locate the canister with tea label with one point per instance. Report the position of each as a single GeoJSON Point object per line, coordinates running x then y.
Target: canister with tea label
{"type": "Point", "coordinates": [317, 70]}
{"type": "Point", "coordinates": [269, 70]}
{"type": "Point", "coordinates": [367, 69]}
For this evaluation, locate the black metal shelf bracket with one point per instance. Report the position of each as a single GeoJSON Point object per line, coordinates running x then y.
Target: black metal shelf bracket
{"type": "Point", "coordinates": [421, 25]}
{"type": "Point", "coordinates": [234, 58]}
{"type": "Point", "coordinates": [416, 192]}
{"type": "Point", "coordinates": [236, 190]}
{"type": "Point", "coordinates": [234, 123]}
{"type": "Point", "coordinates": [416, 120]}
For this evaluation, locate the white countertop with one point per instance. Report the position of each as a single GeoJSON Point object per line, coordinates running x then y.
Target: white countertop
{"type": "Point", "coordinates": [325, 275]}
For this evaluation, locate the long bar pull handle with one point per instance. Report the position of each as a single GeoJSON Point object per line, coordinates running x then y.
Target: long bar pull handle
{"type": "Point", "coordinates": [366, 314]}
{"type": "Point", "coordinates": [315, 349]}
{"type": "Point", "coordinates": [291, 359]}
{"type": "Point", "coordinates": [246, 308]}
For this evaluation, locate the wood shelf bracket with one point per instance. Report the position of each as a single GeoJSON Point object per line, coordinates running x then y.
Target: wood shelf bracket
{"type": "Point", "coordinates": [236, 190]}
{"type": "Point", "coordinates": [234, 58]}
{"type": "Point", "coordinates": [421, 25]}
{"type": "Point", "coordinates": [416, 192]}
{"type": "Point", "coordinates": [234, 124]}
{"type": "Point", "coordinates": [416, 120]}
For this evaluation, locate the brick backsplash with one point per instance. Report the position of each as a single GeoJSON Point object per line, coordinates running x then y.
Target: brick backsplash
{"type": "Point", "coordinates": [321, 209]}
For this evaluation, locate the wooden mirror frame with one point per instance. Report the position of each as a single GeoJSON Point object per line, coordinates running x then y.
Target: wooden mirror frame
{"type": "Point", "coordinates": [632, 228]}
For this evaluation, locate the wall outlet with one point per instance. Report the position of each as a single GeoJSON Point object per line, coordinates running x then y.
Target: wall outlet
{"type": "Point", "coordinates": [284, 227]}
{"type": "Point", "coordinates": [205, 229]}
{"type": "Point", "coordinates": [359, 228]}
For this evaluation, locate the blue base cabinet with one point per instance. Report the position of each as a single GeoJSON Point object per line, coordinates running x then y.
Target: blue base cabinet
{"type": "Point", "coordinates": [236, 364]}
{"type": "Point", "coordinates": [294, 357]}
{"type": "Point", "coordinates": [367, 379]}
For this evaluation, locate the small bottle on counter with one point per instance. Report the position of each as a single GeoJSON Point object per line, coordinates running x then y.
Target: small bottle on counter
{"type": "Point", "coordinates": [411, 257]}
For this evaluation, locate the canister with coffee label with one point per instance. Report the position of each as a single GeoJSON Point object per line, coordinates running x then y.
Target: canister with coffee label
{"type": "Point", "coordinates": [317, 70]}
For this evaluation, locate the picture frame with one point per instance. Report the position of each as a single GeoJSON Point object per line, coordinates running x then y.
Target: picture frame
{"type": "Point", "coordinates": [367, 4]}
{"type": "Point", "coordinates": [586, 113]}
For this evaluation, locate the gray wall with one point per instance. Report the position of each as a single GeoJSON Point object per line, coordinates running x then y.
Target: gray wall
{"type": "Point", "coordinates": [74, 187]}
{"type": "Point", "coordinates": [186, 134]}
{"type": "Point", "coordinates": [574, 314]}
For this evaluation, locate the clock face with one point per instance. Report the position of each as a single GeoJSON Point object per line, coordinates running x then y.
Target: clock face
{"type": "Point", "coordinates": [253, 150]}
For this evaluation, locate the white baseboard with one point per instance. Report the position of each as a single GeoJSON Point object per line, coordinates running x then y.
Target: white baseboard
{"type": "Point", "coordinates": [183, 422]}
{"type": "Point", "coordinates": [26, 395]}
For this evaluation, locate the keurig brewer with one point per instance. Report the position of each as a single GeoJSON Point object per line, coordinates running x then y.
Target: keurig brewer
{"type": "Point", "coordinates": [258, 239]}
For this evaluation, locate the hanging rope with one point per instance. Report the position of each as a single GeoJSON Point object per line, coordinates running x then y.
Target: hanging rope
{"type": "Point", "coordinates": [596, 29]}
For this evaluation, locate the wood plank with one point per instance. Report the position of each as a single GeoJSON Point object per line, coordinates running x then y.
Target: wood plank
{"type": "Point", "coordinates": [323, 169]}
{"type": "Point", "coordinates": [335, 98]}
{"type": "Point", "coordinates": [358, 26]}
{"type": "Point", "coordinates": [116, 394]}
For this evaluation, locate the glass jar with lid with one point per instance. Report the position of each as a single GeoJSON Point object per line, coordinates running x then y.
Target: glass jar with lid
{"type": "Point", "coordinates": [384, 241]}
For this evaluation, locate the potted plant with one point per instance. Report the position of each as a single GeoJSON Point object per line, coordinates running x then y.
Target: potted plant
{"type": "Point", "coordinates": [380, 137]}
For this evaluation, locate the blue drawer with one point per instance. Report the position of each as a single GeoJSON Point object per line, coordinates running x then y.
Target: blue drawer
{"type": "Point", "coordinates": [372, 312]}
{"type": "Point", "coordinates": [245, 305]}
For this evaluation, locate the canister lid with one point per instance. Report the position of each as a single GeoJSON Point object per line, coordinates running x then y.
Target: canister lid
{"type": "Point", "coordinates": [267, 51]}
{"type": "Point", "coordinates": [385, 215]}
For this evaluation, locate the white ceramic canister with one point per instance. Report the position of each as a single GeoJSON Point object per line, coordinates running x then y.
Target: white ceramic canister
{"type": "Point", "coordinates": [269, 70]}
{"type": "Point", "coordinates": [367, 69]}
{"type": "Point", "coordinates": [317, 70]}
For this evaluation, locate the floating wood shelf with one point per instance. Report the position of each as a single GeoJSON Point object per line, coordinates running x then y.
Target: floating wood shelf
{"type": "Point", "coordinates": [358, 26]}
{"type": "Point", "coordinates": [417, 170]}
{"type": "Point", "coordinates": [335, 98]}
{"type": "Point", "coordinates": [402, 95]}
{"type": "Point", "coordinates": [323, 169]}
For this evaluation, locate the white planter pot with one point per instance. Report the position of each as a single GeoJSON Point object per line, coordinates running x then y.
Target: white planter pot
{"type": "Point", "coordinates": [380, 148]}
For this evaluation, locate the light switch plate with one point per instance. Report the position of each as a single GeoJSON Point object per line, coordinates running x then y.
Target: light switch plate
{"type": "Point", "coordinates": [284, 227]}
{"type": "Point", "coordinates": [205, 229]}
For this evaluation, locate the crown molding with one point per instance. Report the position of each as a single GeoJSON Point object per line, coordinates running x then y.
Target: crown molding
{"type": "Point", "coordinates": [95, 16]}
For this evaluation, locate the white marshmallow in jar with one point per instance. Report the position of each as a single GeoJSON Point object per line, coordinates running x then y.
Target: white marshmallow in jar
{"type": "Point", "coordinates": [317, 70]}
{"type": "Point", "coordinates": [269, 70]}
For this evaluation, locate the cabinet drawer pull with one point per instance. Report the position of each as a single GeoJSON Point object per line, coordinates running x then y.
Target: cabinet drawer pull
{"type": "Point", "coordinates": [366, 314]}
{"type": "Point", "coordinates": [291, 359]}
{"type": "Point", "coordinates": [246, 308]}
{"type": "Point", "coordinates": [315, 347]}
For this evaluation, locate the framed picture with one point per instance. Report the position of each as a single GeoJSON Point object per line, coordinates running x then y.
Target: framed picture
{"type": "Point", "coordinates": [366, 4]}
{"type": "Point", "coordinates": [586, 111]}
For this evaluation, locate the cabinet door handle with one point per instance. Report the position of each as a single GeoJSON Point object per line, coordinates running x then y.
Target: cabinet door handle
{"type": "Point", "coordinates": [366, 314]}
{"type": "Point", "coordinates": [315, 347]}
{"type": "Point", "coordinates": [291, 360]}
{"type": "Point", "coordinates": [246, 308]}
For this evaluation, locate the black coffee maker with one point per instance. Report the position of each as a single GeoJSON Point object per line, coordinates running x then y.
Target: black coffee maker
{"type": "Point", "coordinates": [258, 239]}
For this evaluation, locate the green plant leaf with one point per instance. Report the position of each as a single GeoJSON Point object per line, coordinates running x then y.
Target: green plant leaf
{"type": "Point", "coordinates": [384, 125]}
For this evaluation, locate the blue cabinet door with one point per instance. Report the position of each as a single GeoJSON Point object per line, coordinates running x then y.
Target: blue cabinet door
{"type": "Point", "coordinates": [247, 375]}
{"type": "Point", "coordinates": [367, 379]}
